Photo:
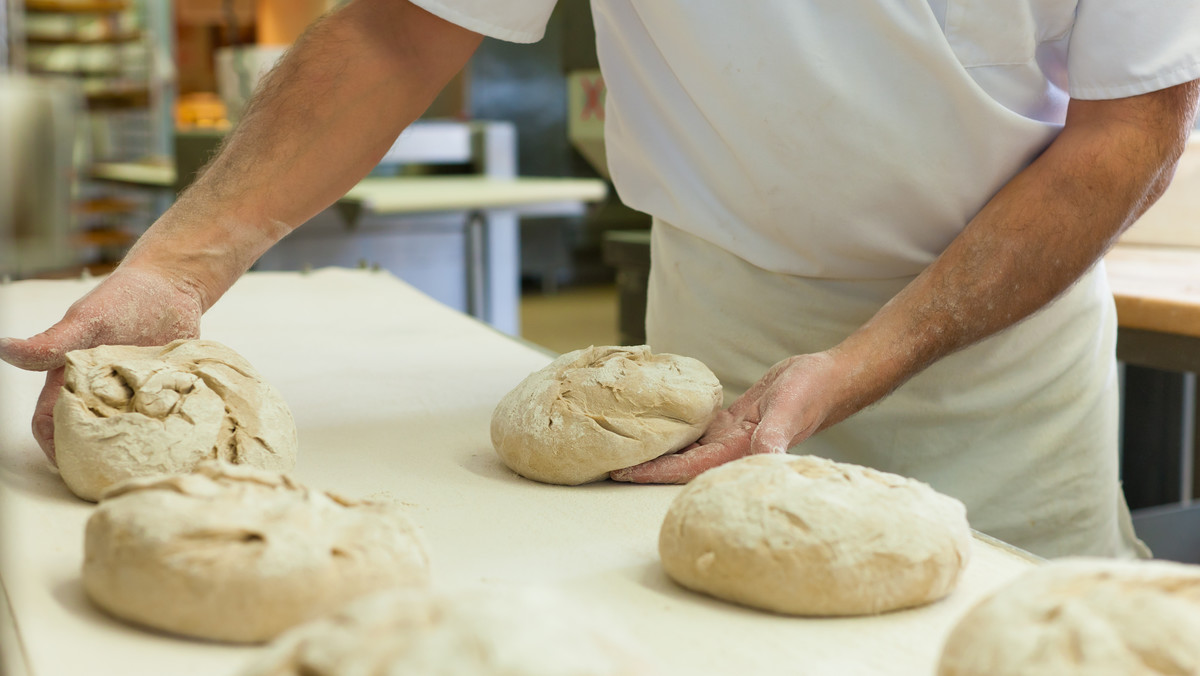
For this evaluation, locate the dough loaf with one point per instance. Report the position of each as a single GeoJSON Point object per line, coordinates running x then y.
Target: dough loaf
{"type": "Point", "coordinates": [129, 411]}
{"type": "Point", "coordinates": [599, 409]}
{"type": "Point", "coordinates": [803, 535]}
{"type": "Point", "coordinates": [239, 554]}
{"type": "Point", "coordinates": [1083, 617]}
{"type": "Point", "coordinates": [497, 632]}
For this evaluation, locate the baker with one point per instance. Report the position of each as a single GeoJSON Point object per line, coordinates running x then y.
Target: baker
{"type": "Point", "coordinates": [878, 222]}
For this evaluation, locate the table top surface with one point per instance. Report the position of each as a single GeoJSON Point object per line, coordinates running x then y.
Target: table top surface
{"type": "Point", "coordinates": [152, 174]}
{"type": "Point", "coordinates": [393, 394]}
{"type": "Point", "coordinates": [410, 194]}
{"type": "Point", "coordinates": [1156, 287]}
{"type": "Point", "coordinates": [446, 193]}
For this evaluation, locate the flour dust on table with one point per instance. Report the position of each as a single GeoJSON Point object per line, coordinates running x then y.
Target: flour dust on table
{"type": "Point", "coordinates": [490, 631]}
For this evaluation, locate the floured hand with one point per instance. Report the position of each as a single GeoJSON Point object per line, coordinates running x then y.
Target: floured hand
{"type": "Point", "coordinates": [133, 306]}
{"type": "Point", "coordinates": [794, 400]}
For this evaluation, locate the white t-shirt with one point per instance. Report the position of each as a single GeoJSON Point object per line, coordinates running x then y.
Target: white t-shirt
{"type": "Point", "coordinates": [847, 138]}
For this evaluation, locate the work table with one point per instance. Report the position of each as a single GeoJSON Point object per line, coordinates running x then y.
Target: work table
{"type": "Point", "coordinates": [393, 395]}
{"type": "Point", "coordinates": [412, 194]}
{"type": "Point", "coordinates": [1156, 287]}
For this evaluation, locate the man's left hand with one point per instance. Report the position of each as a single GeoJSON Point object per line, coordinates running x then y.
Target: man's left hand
{"type": "Point", "coordinates": [793, 401]}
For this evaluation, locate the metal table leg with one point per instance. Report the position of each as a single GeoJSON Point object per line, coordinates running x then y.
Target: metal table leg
{"type": "Point", "coordinates": [476, 264]}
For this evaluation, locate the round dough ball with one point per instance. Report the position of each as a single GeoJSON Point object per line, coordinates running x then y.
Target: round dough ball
{"type": "Point", "coordinates": [128, 411]}
{"type": "Point", "coordinates": [1077, 617]}
{"type": "Point", "coordinates": [238, 554]}
{"type": "Point", "coordinates": [497, 632]}
{"type": "Point", "coordinates": [803, 535]}
{"type": "Point", "coordinates": [596, 410]}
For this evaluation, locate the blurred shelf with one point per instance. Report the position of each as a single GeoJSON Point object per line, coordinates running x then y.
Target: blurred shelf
{"type": "Point", "coordinates": [102, 40]}
{"type": "Point", "coordinates": [105, 206]}
{"type": "Point", "coordinates": [96, 42]}
{"type": "Point", "coordinates": [80, 72]}
{"type": "Point", "coordinates": [105, 238]}
{"type": "Point", "coordinates": [119, 98]}
{"type": "Point", "coordinates": [67, 7]}
{"type": "Point", "coordinates": [76, 271]}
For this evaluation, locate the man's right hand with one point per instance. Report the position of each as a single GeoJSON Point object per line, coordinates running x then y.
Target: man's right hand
{"type": "Point", "coordinates": [132, 306]}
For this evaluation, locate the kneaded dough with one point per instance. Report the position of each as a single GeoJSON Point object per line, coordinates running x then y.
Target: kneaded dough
{"type": "Point", "coordinates": [238, 554]}
{"type": "Point", "coordinates": [1083, 617]}
{"type": "Point", "coordinates": [484, 632]}
{"type": "Point", "coordinates": [127, 412]}
{"type": "Point", "coordinates": [803, 535]}
{"type": "Point", "coordinates": [599, 409]}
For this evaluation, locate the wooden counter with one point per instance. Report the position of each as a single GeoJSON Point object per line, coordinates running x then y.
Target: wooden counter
{"type": "Point", "coordinates": [1157, 288]}
{"type": "Point", "coordinates": [1157, 293]}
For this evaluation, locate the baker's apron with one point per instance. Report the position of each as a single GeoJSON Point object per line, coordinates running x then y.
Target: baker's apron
{"type": "Point", "coordinates": [1022, 427]}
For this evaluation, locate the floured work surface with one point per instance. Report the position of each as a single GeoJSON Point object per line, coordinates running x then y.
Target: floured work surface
{"type": "Point", "coordinates": [393, 394]}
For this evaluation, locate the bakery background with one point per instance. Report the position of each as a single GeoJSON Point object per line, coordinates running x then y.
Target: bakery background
{"type": "Point", "coordinates": [157, 83]}
{"type": "Point", "coordinates": [108, 106]}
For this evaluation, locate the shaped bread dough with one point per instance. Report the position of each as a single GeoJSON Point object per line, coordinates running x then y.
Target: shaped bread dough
{"type": "Point", "coordinates": [803, 535]}
{"type": "Point", "coordinates": [596, 410]}
{"type": "Point", "coordinates": [485, 632]}
{"type": "Point", "coordinates": [1077, 617]}
{"type": "Point", "coordinates": [239, 554]}
{"type": "Point", "coordinates": [128, 411]}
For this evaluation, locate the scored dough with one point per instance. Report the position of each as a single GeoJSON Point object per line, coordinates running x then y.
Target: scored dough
{"type": "Point", "coordinates": [1083, 617]}
{"type": "Point", "coordinates": [484, 632]}
{"type": "Point", "coordinates": [238, 554]}
{"type": "Point", "coordinates": [599, 409]}
{"type": "Point", "coordinates": [128, 411]}
{"type": "Point", "coordinates": [803, 535]}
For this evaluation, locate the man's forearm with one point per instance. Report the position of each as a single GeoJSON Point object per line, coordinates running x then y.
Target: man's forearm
{"type": "Point", "coordinates": [318, 123]}
{"type": "Point", "coordinates": [1033, 239]}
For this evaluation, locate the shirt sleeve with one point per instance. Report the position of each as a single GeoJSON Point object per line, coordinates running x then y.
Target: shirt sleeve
{"type": "Point", "coordinates": [1121, 48]}
{"type": "Point", "coordinates": [508, 20]}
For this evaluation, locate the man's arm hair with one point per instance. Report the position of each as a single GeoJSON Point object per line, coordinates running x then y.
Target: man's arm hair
{"type": "Point", "coordinates": [319, 122]}
{"type": "Point", "coordinates": [1035, 238]}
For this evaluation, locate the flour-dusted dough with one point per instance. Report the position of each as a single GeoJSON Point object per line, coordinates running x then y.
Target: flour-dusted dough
{"type": "Point", "coordinates": [484, 632]}
{"type": "Point", "coordinates": [129, 412]}
{"type": "Point", "coordinates": [1083, 617]}
{"type": "Point", "coordinates": [802, 535]}
{"type": "Point", "coordinates": [595, 410]}
{"type": "Point", "coordinates": [238, 554]}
